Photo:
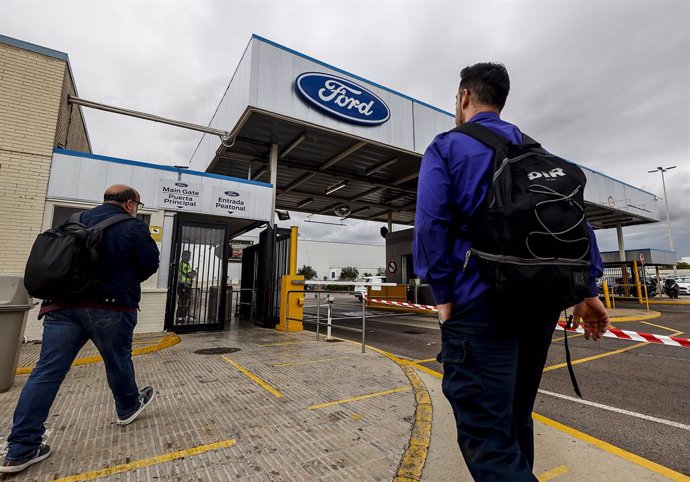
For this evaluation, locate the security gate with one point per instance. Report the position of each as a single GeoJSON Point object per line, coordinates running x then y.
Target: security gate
{"type": "Point", "coordinates": [197, 291]}
{"type": "Point", "coordinates": [263, 265]}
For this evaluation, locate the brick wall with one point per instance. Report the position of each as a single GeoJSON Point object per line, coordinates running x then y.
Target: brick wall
{"type": "Point", "coordinates": [70, 132]}
{"type": "Point", "coordinates": [30, 91]}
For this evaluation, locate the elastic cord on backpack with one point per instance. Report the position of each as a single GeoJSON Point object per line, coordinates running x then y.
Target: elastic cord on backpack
{"type": "Point", "coordinates": [568, 323]}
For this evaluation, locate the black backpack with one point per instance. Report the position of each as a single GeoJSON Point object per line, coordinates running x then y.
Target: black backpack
{"type": "Point", "coordinates": [530, 235]}
{"type": "Point", "coordinates": [63, 264]}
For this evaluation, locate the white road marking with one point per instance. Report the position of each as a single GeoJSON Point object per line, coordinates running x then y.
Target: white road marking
{"type": "Point", "coordinates": [617, 410]}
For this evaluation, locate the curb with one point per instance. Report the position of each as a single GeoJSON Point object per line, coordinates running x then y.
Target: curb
{"type": "Point", "coordinates": [168, 341]}
{"type": "Point", "coordinates": [413, 459]}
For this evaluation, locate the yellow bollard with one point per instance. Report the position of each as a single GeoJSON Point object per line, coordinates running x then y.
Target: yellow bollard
{"type": "Point", "coordinates": [607, 299]}
{"type": "Point", "coordinates": [291, 304]}
{"type": "Point", "coordinates": [637, 282]}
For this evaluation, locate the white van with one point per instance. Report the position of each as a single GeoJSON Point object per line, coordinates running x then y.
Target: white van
{"type": "Point", "coordinates": [361, 289]}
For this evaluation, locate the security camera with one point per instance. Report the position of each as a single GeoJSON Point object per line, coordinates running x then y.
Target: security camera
{"type": "Point", "coordinates": [283, 215]}
{"type": "Point", "coordinates": [342, 211]}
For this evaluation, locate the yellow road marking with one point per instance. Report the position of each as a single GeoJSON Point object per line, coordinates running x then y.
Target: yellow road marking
{"type": "Point", "coordinates": [426, 360]}
{"type": "Point", "coordinates": [165, 342]}
{"type": "Point", "coordinates": [553, 473]}
{"type": "Point", "coordinates": [356, 399]}
{"type": "Point", "coordinates": [138, 464]}
{"type": "Point", "coordinates": [310, 361]}
{"type": "Point", "coordinates": [595, 357]}
{"type": "Point", "coordinates": [660, 326]}
{"type": "Point", "coordinates": [636, 459]}
{"type": "Point", "coordinates": [413, 459]}
{"type": "Point", "coordinates": [253, 377]}
{"type": "Point", "coordinates": [612, 449]}
{"type": "Point", "coordinates": [282, 343]}
{"type": "Point", "coordinates": [602, 355]}
{"type": "Point", "coordinates": [569, 336]}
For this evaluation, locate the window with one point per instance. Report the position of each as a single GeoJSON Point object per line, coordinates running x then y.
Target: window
{"type": "Point", "coordinates": [62, 213]}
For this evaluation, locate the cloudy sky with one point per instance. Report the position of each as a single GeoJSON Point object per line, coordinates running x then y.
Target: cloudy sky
{"type": "Point", "coordinates": [605, 83]}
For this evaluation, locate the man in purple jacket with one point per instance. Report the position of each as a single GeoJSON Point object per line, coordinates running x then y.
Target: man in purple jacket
{"type": "Point", "coordinates": [106, 316]}
{"type": "Point", "coordinates": [493, 351]}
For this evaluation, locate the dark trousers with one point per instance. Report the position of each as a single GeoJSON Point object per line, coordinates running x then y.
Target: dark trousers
{"type": "Point", "coordinates": [493, 354]}
{"type": "Point", "coordinates": [64, 333]}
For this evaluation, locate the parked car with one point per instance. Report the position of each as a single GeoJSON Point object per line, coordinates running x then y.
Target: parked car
{"type": "Point", "coordinates": [683, 285]}
{"type": "Point", "coordinates": [361, 289]}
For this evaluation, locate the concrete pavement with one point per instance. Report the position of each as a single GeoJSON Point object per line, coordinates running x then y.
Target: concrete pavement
{"type": "Point", "coordinates": [262, 405]}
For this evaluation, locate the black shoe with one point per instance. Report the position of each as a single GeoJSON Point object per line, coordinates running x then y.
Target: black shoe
{"type": "Point", "coordinates": [145, 397]}
{"type": "Point", "coordinates": [14, 466]}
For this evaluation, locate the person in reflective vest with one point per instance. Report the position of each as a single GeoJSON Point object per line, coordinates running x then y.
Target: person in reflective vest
{"type": "Point", "coordinates": [185, 278]}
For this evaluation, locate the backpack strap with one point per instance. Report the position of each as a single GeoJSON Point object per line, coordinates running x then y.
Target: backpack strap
{"type": "Point", "coordinates": [106, 223]}
{"type": "Point", "coordinates": [75, 218]}
{"type": "Point", "coordinates": [491, 138]}
{"type": "Point", "coordinates": [483, 134]}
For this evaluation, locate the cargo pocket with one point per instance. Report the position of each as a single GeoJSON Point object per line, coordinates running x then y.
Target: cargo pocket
{"type": "Point", "coordinates": [462, 382]}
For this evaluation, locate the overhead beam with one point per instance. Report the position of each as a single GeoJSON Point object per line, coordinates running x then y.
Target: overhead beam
{"type": "Point", "coordinates": [341, 156]}
{"type": "Point", "coordinates": [292, 145]}
{"type": "Point", "coordinates": [383, 165]}
{"type": "Point", "coordinates": [403, 180]}
{"type": "Point", "coordinates": [297, 182]}
{"type": "Point", "coordinates": [368, 193]}
{"type": "Point", "coordinates": [340, 201]}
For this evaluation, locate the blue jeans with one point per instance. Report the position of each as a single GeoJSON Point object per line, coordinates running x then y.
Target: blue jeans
{"type": "Point", "coordinates": [64, 333]}
{"type": "Point", "coordinates": [493, 354]}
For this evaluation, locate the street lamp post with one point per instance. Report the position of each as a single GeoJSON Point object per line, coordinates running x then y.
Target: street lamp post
{"type": "Point", "coordinates": [668, 217]}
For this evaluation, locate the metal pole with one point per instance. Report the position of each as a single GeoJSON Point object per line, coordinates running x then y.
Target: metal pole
{"type": "Point", "coordinates": [668, 223]}
{"type": "Point", "coordinates": [621, 243]}
{"type": "Point", "coordinates": [318, 315]}
{"type": "Point", "coordinates": [364, 324]}
{"type": "Point", "coordinates": [224, 135]}
{"type": "Point", "coordinates": [328, 329]}
{"type": "Point", "coordinates": [273, 167]}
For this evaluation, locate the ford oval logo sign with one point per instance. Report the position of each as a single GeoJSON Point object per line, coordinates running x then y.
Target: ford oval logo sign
{"type": "Point", "coordinates": [342, 98]}
{"type": "Point", "coordinates": [232, 193]}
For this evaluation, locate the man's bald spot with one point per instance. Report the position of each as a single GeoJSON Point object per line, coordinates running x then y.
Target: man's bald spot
{"type": "Point", "coordinates": [121, 193]}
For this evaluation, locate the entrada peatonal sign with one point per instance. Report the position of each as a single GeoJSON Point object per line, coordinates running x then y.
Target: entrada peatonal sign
{"type": "Point", "coordinates": [342, 98]}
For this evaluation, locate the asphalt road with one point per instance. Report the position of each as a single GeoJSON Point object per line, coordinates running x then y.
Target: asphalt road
{"type": "Point", "coordinates": [644, 389]}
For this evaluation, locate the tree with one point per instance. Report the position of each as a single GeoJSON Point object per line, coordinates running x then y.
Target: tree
{"type": "Point", "coordinates": [366, 274]}
{"type": "Point", "coordinates": [349, 273]}
{"type": "Point", "coordinates": [682, 265]}
{"type": "Point", "coordinates": [380, 272]}
{"type": "Point", "coordinates": [307, 271]}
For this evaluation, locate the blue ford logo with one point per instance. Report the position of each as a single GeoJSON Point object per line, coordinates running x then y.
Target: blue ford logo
{"type": "Point", "coordinates": [342, 98]}
{"type": "Point", "coordinates": [232, 193]}
{"type": "Point", "coordinates": [181, 184]}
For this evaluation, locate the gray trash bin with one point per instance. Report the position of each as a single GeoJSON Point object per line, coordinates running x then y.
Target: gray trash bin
{"type": "Point", "coordinates": [14, 306]}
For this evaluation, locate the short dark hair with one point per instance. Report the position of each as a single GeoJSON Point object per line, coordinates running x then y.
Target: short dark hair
{"type": "Point", "coordinates": [121, 196]}
{"type": "Point", "coordinates": [488, 82]}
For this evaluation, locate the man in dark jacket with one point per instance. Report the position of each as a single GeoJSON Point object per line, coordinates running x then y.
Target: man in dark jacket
{"type": "Point", "coordinates": [493, 350]}
{"type": "Point", "coordinates": [107, 316]}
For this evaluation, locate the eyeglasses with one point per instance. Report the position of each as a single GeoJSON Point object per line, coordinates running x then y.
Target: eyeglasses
{"type": "Point", "coordinates": [140, 205]}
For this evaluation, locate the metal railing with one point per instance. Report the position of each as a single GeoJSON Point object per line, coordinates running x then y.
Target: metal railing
{"type": "Point", "coordinates": [329, 302]}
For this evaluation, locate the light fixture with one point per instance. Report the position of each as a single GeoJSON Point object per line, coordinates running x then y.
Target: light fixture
{"type": "Point", "coordinates": [335, 187]}
{"type": "Point", "coordinates": [283, 215]}
{"type": "Point", "coordinates": [301, 204]}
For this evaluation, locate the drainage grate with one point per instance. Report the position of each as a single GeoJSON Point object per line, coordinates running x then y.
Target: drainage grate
{"type": "Point", "coordinates": [217, 351]}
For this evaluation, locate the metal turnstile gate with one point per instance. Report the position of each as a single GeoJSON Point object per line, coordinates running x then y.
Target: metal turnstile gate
{"type": "Point", "coordinates": [263, 266]}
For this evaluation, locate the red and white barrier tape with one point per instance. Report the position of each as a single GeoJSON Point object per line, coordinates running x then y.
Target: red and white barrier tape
{"type": "Point", "coordinates": [635, 336]}
{"type": "Point", "coordinates": [611, 333]}
{"type": "Point", "coordinates": [402, 303]}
